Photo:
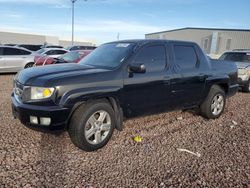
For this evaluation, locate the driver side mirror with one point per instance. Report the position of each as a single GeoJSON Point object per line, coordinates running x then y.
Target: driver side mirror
{"type": "Point", "coordinates": [137, 68]}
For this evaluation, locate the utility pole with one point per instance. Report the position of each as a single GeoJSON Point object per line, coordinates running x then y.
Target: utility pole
{"type": "Point", "coordinates": [118, 36]}
{"type": "Point", "coordinates": [73, 19]}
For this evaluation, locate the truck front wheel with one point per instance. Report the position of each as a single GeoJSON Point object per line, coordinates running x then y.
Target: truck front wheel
{"type": "Point", "coordinates": [214, 104]}
{"type": "Point", "coordinates": [92, 125]}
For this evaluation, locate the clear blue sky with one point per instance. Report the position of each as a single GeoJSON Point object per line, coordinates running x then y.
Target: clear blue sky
{"type": "Point", "coordinates": [103, 19]}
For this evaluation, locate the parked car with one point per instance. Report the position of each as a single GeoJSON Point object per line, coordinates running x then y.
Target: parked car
{"type": "Point", "coordinates": [10, 44]}
{"type": "Point", "coordinates": [242, 59]}
{"type": "Point", "coordinates": [51, 46]}
{"type": "Point", "coordinates": [31, 47]}
{"type": "Point", "coordinates": [49, 52]}
{"type": "Point", "coordinates": [124, 78]}
{"type": "Point", "coordinates": [14, 59]}
{"type": "Point", "coordinates": [72, 48]}
{"type": "Point", "coordinates": [70, 57]}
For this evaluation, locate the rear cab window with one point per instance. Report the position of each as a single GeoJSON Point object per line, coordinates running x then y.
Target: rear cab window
{"type": "Point", "coordinates": [15, 51]}
{"type": "Point", "coordinates": [185, 57]}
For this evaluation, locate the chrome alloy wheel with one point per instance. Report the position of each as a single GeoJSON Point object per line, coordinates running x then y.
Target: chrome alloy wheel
{"type": "Point", "coordinates": [217, 104]}
{"type": "Point", "coordinates": [97, 127]}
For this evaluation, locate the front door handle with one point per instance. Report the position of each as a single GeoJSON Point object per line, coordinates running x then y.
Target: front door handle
{"type": "Point", "coordinates": [201, 76]}
{"type": "Point", "coordinates": [166, 80]}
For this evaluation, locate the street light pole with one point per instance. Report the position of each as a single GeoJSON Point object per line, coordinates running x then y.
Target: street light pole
{"type": "Point", "coordinates": [73, 19]}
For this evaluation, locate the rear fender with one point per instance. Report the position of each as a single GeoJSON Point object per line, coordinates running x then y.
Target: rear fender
{"type": "Point", "coordinates": [222, 81]}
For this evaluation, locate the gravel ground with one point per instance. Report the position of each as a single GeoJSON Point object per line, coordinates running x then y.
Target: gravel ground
{"type": "Point", "coordinates": [33, 159]}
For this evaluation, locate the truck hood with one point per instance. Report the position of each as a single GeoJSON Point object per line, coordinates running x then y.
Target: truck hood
{"type": "Point", "coordinates": [242, 65]}
{"type": "Point", "coordinates": [40, 75]}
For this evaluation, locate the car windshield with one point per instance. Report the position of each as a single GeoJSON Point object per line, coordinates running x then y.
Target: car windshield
{"type": "Point", "coordinates": [71, 56]}
{"type": "Point", "coordinates": [236, 56]}
{"type": "Point", "coordinates": [40, 51]}
{"type": "Point", "coordinates": [108, 55]}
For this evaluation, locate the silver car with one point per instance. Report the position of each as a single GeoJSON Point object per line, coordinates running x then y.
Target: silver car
{"type": "Point", "coordinates": [242, 60]}
{"type": "Point", "coordinates": [14, 59]}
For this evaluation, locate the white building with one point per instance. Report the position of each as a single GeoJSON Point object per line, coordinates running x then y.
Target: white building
{"type": "Point", "coordinates": [213, 41]}
{"type": "Point", "coordinates": [21, 38]}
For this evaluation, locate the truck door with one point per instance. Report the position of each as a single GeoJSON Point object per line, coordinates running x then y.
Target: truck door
{"type": "Point", "coordinates": [147, 92]}
{"type": "Point", "coordinates": [187, 90]}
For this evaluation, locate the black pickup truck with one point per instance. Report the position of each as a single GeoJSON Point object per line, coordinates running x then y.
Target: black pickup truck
{"type": "Point", "coordinates": [121, 79]}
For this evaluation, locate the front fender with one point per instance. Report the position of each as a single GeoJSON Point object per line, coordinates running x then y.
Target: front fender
{"type": "Point", "coordinates": [69, 99]}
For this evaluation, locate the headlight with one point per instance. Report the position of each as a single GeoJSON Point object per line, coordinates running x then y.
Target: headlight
{"type": "Point", "coordinates": [41, 92]}
{"type": "Point", "coordinates": [244, 72]}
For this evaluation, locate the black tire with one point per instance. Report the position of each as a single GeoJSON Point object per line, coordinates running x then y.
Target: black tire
{"type": "Point", "coordinates": [246, 88]}
{"type": "Point", "coordinates": [79, 120]}
{"type": "Point", "coordinates": [206, 106]}
{"type": "Point", "coordinates": [29, 65]}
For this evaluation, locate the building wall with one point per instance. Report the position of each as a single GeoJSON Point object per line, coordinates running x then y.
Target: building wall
{"type": "Point", "coordinates": [239, 40]}
{"type": "Point", "coordinates": [20, 38]}
{"type": "Point", "coordinates": [52, 40]}
{"type": "Point", "coordinates": [204, 38]}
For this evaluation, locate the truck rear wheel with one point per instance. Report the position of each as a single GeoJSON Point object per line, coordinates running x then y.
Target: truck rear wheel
{"type": "Point", "coordinates": [92, 125]}
{"type": "Point", "coordinates": [214, 104]}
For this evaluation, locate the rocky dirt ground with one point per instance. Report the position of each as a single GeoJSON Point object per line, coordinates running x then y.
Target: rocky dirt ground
{"type": "Point", "coordinates": [222, 148]}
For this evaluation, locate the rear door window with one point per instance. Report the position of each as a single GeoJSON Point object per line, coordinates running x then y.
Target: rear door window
{"type": "Point", "coordinates": [24, 52]}
{"type": "Point", "coordinates": [14, 51]}
{"type": "Point", "coordinates": [153, 57]}
{"type": "Point", "coordinates": [185, 57]}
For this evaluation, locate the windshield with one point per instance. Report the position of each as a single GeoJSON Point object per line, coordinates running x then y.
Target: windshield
{"type": "Point", "coordinates": [40, 51]}
{"type": "Point", "coordinates": [108, 55]}
{"type": "Point", "coordinates": [236, 56]}
{"type": "Point", "coordinates": [71, 56]}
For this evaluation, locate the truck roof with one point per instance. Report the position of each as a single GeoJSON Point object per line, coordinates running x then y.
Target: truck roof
{"type": "Point", "coordinates": [144, 41]}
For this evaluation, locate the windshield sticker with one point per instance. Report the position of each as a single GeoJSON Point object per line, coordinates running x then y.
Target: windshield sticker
{"type": "Point", "coordinates": [122, 45]}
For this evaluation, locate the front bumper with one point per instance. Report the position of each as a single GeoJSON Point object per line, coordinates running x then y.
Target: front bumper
{"type": "Point", "coordinates": [58, 115]}
{"type": "Point", "coordinates": [233, 89]}
{"type": "Point", "coordinates": [243, 82]}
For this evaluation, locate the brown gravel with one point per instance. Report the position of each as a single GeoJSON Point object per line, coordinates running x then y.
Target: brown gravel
{"type": "Point", "coordinates": [33, 159]}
